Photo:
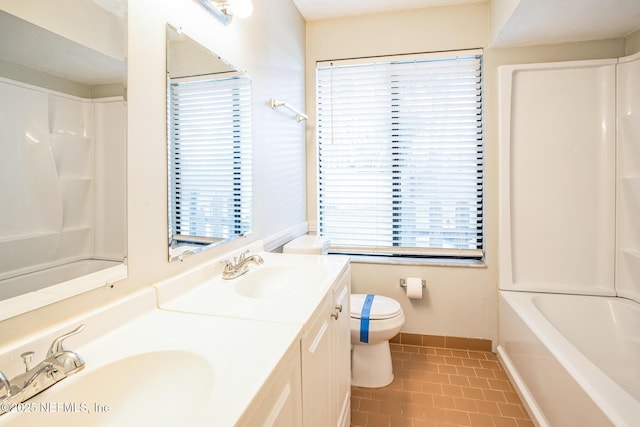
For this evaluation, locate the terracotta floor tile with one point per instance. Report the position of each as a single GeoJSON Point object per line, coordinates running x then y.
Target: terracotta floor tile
{"type": "Point", "coordinates": [473, 363]}
{"type": "Point", "coordinates": [460, 353]}
{"type": "Point", "coordinates": [402, 396]}
{"type": "Point", "coordinates": [512, 397]}
{"type": "Point", "coordinates": [487, 407]}
{"type": "Point", "coordinates": [481, 420]}
{"type": "Point", "coordinates": [400, 422]}
{"type": "Point", "coordinates": [490, 364]}
{"type": "Point", "coordinates": [525, 423]}
{"type": "Point", "coordinates": [391, 408]}
{"type": "Point", "coordinates": [510, 410]}
{"type": "Point", "coordinates": [446, 369]}
{"type": "Point", "coordinates": [378, 420]}
{"type": "Point", "coordinates": [436, 414]}
{"type": "Point", "coordinates": [494, 395]}
{"type": "Point", "coordinates": [485, 373]}
{"type": "Point", "coordinates": [481, 355]}
{"type": "Point", "coordinates": [355, 403]}
{"type": "Point", "coordinates": [473, 393]}
{"type": "Point", "coordinates": [467, 405]}
{"type": "Point", "coordinates": [417, 412]}
{"type": "Point", "coordinates": [422, 399]}
{"type": "Point", "coordinates": [504, 422]}
{"type": "Point", "coordinates": [358, 419]}
{"type": "Point", "coordinates": [500, 385]}
{"type": "Point", "coordinates": [431, 388]}
{"type": "Point", "coordinates": [457, 361]}
{"type": "Point", "coordinates": [444, 402]}
{"type": "Point", "coordinates": [478, 382]}
{"type": "Point", "coordinates": [459, 380]}
{"type": "Point", "coordinates": [409, 385]}
{"type": "Point", "coordinates": [466, 371]}
{"type": "Point", "coordinates": [451, 390]}
{"type": "Point", "coordinates": [443, 352]}
{"type": "Point", "coordinates": [369, 406]}
{"type": "Point", "coordinates": [458, 418]}
{"type": "Point", "coordinates": [438, 387]}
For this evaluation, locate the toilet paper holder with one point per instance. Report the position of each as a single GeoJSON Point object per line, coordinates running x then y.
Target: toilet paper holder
{"type": "Point", "coordinates": [403, 283]}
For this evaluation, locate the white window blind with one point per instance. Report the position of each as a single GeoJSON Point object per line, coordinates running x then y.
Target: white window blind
{"type": "Point", "coordinates": [401, 155]}
{"type": "Point", "coordinates": [210, 175]}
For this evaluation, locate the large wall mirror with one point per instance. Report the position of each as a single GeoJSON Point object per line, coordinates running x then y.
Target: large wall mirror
{"type": "Point", "coordinates": [63, 163]}
{"type": "Point", "coordinates": [209, 138]}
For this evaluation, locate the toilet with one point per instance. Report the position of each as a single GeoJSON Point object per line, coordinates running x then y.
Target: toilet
{"type": "Point", "coordinates": [375, 319]}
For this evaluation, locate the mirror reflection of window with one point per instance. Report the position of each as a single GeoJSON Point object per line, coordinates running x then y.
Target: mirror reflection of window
{"type": "Point", "coordinates": [209, 142]}
{"type": "Point", "coordinates": [210, 158]}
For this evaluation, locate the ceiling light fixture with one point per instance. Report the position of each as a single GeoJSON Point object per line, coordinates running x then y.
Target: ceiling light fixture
{"type": "Point", "coordinates": [224, 11]}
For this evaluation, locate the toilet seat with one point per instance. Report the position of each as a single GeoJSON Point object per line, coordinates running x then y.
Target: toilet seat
{"type": "Point", "coordinates": [381, 308]}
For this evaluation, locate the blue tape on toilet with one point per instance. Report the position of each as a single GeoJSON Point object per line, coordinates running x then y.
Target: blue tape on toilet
{"type": "Point", "coordinates": [364, 318]}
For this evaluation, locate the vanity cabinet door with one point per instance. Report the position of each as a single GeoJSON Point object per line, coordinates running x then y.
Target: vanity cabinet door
{"type": "Point", "coordinates": [326, 360]}
{"type": "Point", "coordinates": [317, 368]}
{"type": "Point", "coordinates": [279, 404]}
{"type": "Point", "coordinates": [342, 352]}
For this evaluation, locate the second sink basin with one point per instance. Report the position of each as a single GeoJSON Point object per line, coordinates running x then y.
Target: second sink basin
{"type": "Point", "coordinates": [277, 281]}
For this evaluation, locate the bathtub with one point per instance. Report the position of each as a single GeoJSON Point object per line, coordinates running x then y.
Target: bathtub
{"type": "Point", "coordinates": [29, 291]}
{"type": "Point", "coordinates": [575, 359]}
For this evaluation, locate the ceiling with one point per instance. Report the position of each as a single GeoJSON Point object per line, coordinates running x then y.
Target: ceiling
{"type": "Point", "coordinates": [322, 9]}
{"type": "Point", "coordinates": [530, 22]}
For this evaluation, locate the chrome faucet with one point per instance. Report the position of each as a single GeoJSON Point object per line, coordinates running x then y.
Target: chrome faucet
{"type": "Point", "coordinates": [239, 265]}
{"type": "Point", "coordinates": [58, 364]}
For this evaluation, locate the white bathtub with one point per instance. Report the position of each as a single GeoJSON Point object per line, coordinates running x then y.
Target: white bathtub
{"type": "Point", "coordinates": [30, 291]}
{"type": "Point", "coordinates": [575, 359]}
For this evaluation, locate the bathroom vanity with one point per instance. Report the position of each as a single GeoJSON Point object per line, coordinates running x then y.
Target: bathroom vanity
{"type": "Point", "coordinates": [270, 347]}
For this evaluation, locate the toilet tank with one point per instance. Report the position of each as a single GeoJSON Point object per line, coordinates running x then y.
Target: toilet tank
{"type": "Point", "coordinates": [308, 244]}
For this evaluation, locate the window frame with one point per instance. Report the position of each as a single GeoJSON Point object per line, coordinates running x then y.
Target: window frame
{"type": "Point", "coordinates": [399, 253]}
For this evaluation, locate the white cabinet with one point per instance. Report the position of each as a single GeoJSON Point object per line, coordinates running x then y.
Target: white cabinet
{"type": "Point", "coordinates": [325, 349]}
{"type": "Point", "coordinates": [279, 404]}
{"type": "Point", "coordinates": [342, 353]}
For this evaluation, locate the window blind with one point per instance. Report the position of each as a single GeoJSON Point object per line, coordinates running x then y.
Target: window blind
{"type": "Point", "coordinates": [400, 149]}
{"type": "Point", "coordinates": [210, 174]}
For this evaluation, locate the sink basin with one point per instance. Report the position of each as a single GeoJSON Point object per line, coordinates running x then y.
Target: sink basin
{"type": "Point", "coordinates": [279, 280]}
{"type": "Point", "coordinates": [144, 389]}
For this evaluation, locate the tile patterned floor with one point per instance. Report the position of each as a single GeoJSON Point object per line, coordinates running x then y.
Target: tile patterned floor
{"type": "Point", "coordinates": [438, 387]}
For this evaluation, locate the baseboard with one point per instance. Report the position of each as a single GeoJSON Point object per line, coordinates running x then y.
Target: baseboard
{"type": "Point", "coordinates": [458, 343]}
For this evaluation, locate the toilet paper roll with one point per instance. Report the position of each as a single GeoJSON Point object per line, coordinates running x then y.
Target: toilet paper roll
{"type": "Point", "coordinates": [414, 287]}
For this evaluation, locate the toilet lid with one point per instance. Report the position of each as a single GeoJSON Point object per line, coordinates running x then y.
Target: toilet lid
{"type": "Point", "coordinates": [381, 308]}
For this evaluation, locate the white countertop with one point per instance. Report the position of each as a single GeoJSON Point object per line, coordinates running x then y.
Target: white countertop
{"type": "Point", "coordinates": [310, 278]}
{"type": "Point", "coordinates": [192, 350]}
{"type": "Point", "coordinates": [229, 359]}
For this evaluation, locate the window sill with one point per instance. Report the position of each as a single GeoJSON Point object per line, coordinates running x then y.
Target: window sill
{"type": "Point", "coordinates": [432, 262]}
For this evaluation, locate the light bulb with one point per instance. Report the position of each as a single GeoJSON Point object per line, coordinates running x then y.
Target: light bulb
{"type": "Point", "coordinates": [241, 8]}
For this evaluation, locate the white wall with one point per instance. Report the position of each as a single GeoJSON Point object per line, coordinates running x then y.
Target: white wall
{"type": "Point", "coordinates": [459, 301]}
{"type": "Point", "coordinates": [270, 47]}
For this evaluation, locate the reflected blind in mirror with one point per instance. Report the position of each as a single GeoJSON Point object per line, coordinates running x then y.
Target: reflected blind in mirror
{"type": "Point", "coordinates": [210, 158]}
{"type": "Point", "coordinates": [401, 164]}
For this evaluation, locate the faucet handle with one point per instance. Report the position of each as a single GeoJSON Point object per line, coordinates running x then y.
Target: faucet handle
{"type": "Point", "coordinates": [26, 358]}
{"type": "Point", "coordinates": [56, 345]}
{"type": "Point", "coordinates": [241, 258]}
